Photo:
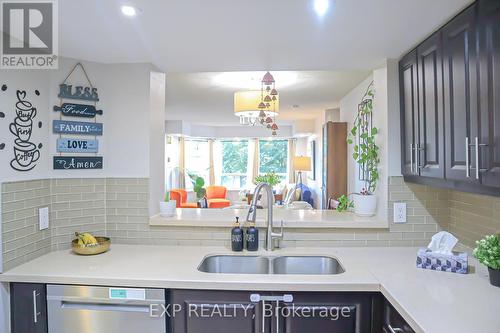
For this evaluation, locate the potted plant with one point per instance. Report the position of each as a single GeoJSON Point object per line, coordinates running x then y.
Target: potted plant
{"type": "Point", "coordinates": [344, 203]}
{"type": "Point", "coordinates": [199, 188]}
{"type": "Point", "coordinates": [366, 154]}
{"type": "Point", "coordinates": [167, 207]}
{"type": "Point", "coordinates": [271, 178]}
{"type": "Point", "coordinates": [488, 254]}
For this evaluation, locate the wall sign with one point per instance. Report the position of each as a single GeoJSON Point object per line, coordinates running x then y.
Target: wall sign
{"type": "Point", "coordinates": [78, 110]}
{"type": "Point", "coordinates": [80, 92]}
{"type": "Point", "coordinates": [77, 162]}
{"type": "Point", "coordinates": [26, 153]}
{"type": "Point", "coordinates": [69, 145]}
{"type": "Point", "coordinates": [64, 127]}
{"type": "Point", "coordinates": [76, 127]}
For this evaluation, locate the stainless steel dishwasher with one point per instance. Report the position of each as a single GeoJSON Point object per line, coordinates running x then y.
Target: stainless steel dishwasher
{"type": "Point", "coordinates": [84, 309]}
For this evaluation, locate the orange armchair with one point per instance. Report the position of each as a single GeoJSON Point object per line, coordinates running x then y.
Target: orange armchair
{"type": "Point", "coordinates": [180, 196]}
{"type": "Point", "coordinates": [216, 197]}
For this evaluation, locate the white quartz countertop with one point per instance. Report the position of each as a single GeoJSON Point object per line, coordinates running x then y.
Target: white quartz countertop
{"type": "Point", "coordinates": [291, 218]}
{"type": "Point", "coordinates": [431, 302]}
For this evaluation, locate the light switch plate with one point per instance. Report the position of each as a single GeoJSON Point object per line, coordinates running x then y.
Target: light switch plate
{"type": "Point", "coordinates": [43, 218]}
{"type": "Point", "coordinates": [400, 212]}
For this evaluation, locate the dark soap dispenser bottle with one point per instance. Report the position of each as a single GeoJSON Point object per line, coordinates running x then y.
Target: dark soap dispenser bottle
{"type": "Point", "coordinates": [237, 237]}
{"type": "Point", "coordinates": [252, 238]}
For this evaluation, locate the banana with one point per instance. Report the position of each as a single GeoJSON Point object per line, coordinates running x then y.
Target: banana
{"type": "Point", "coordinates": [86, 239]}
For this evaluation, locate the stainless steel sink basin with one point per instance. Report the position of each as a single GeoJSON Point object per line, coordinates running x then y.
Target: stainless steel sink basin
{"type": "Point", "coordinates": [234, 264]}
{"type": "Point", "coordinates": [306, 265]}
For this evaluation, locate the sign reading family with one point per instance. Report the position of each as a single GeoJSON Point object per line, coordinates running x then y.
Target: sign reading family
{"type": "Point", "coordinates": [77, 162]}
{"type": "Point", "coordinates": [66, 145]}
{"type": "Point", "coordinates": [76, 127]}
{"type": "Point", "coordinates": [78, 110]}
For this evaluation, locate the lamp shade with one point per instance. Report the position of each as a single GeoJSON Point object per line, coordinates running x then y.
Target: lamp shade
{"type": "Point", "coordinates": [246, 104]}
{"type": "Point", "coordinates": [302, 163]}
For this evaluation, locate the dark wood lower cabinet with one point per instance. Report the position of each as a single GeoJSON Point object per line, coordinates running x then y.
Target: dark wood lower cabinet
{"type": "Point", "coordinates": [205, 311]}
{"type": "Point", "coordinates": [233, 311]}
{"type": "Point", "coordinates": [28, 308]}
{"type": "Point", "coordinates": [393, 322]}
{"type": "Point", "coordinates": [226, 311]}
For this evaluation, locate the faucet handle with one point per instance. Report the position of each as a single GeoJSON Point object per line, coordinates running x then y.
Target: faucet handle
{"type": "Point", "coordinates": [278, 234]}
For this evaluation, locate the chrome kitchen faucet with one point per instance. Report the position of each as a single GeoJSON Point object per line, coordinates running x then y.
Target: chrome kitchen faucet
{"type": "Point", "coordinates": [252, 215]}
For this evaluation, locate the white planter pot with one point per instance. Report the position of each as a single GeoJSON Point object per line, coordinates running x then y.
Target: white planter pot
{"type": "Point", "coordinates": [365, 205]}
{"type": "Point", "coordinates": [167, 208]}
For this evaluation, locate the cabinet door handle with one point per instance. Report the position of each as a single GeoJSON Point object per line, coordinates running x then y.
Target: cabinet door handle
{"type": "Point", "coordinates": [35, 310]}
{"type": "Point", "coordinates": [477, 146]}
{"type": "Point", "coordinates": [467, 162]}
{"type": "Point", "coordinates": [395, 329]}
{"type": "Point", "coordinates": [411, 157]}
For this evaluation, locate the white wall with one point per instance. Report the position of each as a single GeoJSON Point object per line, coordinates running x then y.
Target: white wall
{"type": "Point", "coordinates": [124, 92]}
{"type": "Point", "coordinates": [348, 112]}
{"type": "Point", "coordinates": [156, 141]}
{"type": "Point", "coordinates": [28, 81]}
{"type": "Point", "coordinates": [393, 119]}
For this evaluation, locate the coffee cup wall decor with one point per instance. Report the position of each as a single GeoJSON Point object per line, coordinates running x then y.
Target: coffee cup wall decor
{"type": "Point", "coordinates": [26, 153]}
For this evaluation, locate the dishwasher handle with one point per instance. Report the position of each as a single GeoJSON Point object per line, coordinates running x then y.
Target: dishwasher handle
{"type": "Point", "coordinates": [105, 307]}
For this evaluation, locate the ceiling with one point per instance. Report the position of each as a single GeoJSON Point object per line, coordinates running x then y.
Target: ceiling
{"type": "Point", "coordinates": [207, 98]}
{"type": "Point", "coordinates": [236, 35]}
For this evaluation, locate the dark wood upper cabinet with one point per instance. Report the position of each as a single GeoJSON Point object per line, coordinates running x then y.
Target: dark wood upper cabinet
{"type": "Point", "coordinates": [450, 104]}
{"type": "Point", "coordinates": [408, 84]}
{"type": "Point", "coordinates": [429, 149]}
{"type": "Point", "coordinates": [460, 95]}
{"type": "Point", "coordinates": [489, 63]}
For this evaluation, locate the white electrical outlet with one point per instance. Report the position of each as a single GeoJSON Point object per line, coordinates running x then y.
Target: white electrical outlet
{"type": "Point", "coordinates": [43, 218]}
{"type": "Point", "coordinates": [400, 212]}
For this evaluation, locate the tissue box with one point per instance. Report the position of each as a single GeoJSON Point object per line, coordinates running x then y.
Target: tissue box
{"type": "Point", "coordinates": [455, 263]}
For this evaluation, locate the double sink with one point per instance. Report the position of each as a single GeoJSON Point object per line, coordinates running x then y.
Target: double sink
{"type": "Point", "coordinates": [234, 264]}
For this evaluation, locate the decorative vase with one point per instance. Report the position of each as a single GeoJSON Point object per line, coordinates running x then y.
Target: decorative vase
{"type": "Point", "coordinates": [167, 208]}
{"type": "Point", "coordinates": [365, 205]}
{"type": "Point", "coordinates": [494, 277]}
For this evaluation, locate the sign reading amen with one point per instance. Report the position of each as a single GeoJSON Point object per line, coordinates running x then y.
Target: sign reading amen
{"type": "Point", "coordinates": [77, 162]}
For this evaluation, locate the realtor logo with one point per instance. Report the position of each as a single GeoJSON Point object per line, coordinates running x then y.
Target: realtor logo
{"type": "Point", "coordinates": [29, 34]}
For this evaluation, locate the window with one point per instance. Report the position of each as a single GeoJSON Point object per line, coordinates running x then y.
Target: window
{"type": "Point", "coordinates": [197, 160]}
{"type": "Point", "coordinates": [273, 157]}
{"type": "Point", "coordinates": [234, 164]}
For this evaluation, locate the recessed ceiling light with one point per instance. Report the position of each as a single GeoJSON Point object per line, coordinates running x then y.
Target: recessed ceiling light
{"type": "Point", "coordinates": [321, 6]}
{"type": "Point", "coordinates": [130, 10]}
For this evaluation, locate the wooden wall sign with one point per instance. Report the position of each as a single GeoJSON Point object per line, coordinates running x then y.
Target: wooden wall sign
{"type": "Point", "coordinates": [78, 110]}
{"type": "Point", "coordinates": [66, 145]}
{"type": "Point", "coordinates": [80, 92]}
{"type": "Point", "coordinates": [76, 127]}
{"type": "Point", "coordinates": [77, 162]}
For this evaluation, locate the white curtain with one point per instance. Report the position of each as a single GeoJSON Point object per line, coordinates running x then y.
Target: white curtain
{"type": "Point", "coordinates": [211, 170]}
{"type": "Point", "coordinates": [291, 155]}
{"type": "Point", "coordinates": [253, 162]}
{"type": "Point", "coordinates": [182, 163]}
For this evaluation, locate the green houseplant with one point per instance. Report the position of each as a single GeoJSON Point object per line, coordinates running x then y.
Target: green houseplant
{"type": "Point", "coordinates": [198, 188]}
{"type": "Point", "coordinates": [344, 203]}
{"type": "Point", "coordinates": [271, 178]}
{"type": "Point", "coordinates": [488, 254]}
{"type": "Point", "coordinates": [366, 154]}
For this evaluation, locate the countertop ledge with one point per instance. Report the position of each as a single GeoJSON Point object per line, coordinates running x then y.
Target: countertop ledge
{"type": "Point", "coordinates": [431, 302]}
{"type": "Point", "coordinates": [222, 218]}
